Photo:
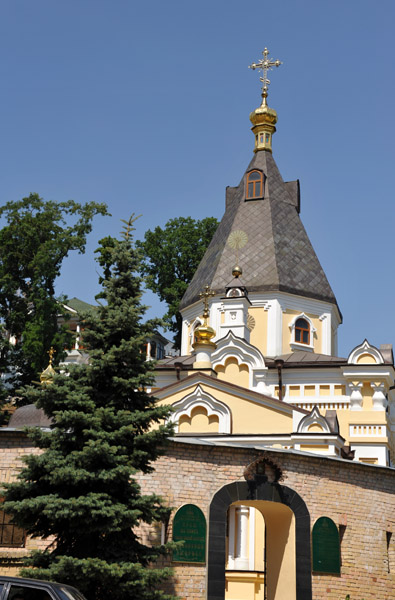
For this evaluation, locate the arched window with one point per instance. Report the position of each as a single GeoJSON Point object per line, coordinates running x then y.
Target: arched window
{"type": "Point", "coordinates": [326, 546]}
{"type": "Point", "coordinates": [254, 185]}
{"type": "Point", "coordinates": [302, 331]}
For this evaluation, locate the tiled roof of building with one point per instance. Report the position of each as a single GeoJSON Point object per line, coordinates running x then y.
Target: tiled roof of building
{"type": "Point", "coordinates": [79, 305]}
{"type": "Point", "coordinates": [278, 255]}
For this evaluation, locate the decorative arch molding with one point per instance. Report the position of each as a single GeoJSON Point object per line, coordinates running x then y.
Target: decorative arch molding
{"type": "Point", "coordinates": [313, 418]}
{"type": "Point", "coordinates": [232, 346]}
{"type": "Point", "coordinates": [365, 348]}
{"type": "Point", "coordinates": [213, 407]}
{"type": "Point", "coordinates": [255, 490]}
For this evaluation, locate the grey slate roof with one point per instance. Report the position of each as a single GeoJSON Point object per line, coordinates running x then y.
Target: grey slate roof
{"type": "Point", "coordinates": [278, 255]}
{"type": "Point", "coordinates": [29, 416]}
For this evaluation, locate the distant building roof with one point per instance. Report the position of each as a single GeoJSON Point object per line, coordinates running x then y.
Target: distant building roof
{"type": "Point", "coordinates": [79, 306]}
{"type": "Point", "coordinates": [28, 416]}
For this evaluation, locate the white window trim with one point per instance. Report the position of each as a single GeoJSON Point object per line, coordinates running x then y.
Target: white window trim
{"type": "Point", "coordinates": [298, 345]}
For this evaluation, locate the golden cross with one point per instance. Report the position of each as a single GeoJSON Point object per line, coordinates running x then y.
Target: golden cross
{"type": "Point", "coordinates": [51, 353]}
{"type": "Point", "coordinates": [205, 296]}
{"type": "Point", "coordinates": [265, 64]}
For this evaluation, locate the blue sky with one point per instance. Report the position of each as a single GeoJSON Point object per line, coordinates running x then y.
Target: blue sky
{"type": "Point", "coordinates": [145, 105]}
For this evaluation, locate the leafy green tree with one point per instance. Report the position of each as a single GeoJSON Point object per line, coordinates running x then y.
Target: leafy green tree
{"type": "Point", "coordinates": [172, 255]}
{"type": "Point", "coordinates": [36, 238]}
{"type": "Point", "coordinates": [81, 490]}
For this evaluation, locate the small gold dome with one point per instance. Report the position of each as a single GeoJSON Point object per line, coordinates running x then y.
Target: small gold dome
{"type": "Point", "coordinates": [47, 375]}
{"type": "Point", "coordinates": [204, 335]}
{"type": "Point", "coordinates": [264, 115]}
{"type": "Point", "coordinates": [237, 271]}
{"type": "Point", "coordinates": [263, 121]}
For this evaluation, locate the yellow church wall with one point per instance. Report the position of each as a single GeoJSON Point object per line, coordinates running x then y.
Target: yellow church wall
{"type": "Point", "coordinates": [288, 317]}
{"type": "Point", "coordinates": [366, 359]}
{"type": "Point", "coordinates": [233, 372]}
{"type": "Point", "coordinates": [198, 421]}
{"type": "Point", "coordinates": [364, 418]}
{"type": "Point", "coordinates": [258, 335]}
{"type": "Point", "coordinates": [247, 416]}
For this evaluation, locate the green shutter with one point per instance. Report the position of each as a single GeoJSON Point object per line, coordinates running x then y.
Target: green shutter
{"type": "Point", "coordinates": [189, 525]}
{"type": "Point", "coordinates": [326, 546]}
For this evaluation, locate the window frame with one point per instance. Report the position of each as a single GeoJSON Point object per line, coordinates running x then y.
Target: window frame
{"type": "Point", "coordinates": [3, 524]}
{"type": "Point", "coordinates": [301, 330]}
{"type": "Point", "coordinates": [297, 345]}
{"type": "Point", "coordinates": [254, 183]}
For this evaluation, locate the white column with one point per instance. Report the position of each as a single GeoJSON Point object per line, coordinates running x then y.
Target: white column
{"type": "Point", "coordinates": [274, 329]}
{"type": "Point", "coordinates": [77, 337]}
{"type": "Point", "coordinates": [184, 337]}
{"type": "Point", "coordinates": [356, 399]}
{"type": "Point", "coordinates": [231, 538]}
{"type": "Point", "coordinates": [326, 329]}
{"type": "Point", "coordinates": [251, 550]}
{"type": "Point", "coordinates": [379, 399]}
{"type": "Point", "coordinates": [241, 561]}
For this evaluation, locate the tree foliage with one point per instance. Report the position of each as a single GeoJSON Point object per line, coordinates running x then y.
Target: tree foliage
{"type": "Point", "coordinates": [172, 255]}
{"type": "Point", "coordinates": [81, 489]}
{"type": "Point", "coordinates": [37, 237]}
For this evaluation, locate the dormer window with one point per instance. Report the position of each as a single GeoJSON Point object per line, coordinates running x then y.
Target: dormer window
{"type": "Point", "coordinates": [302, 331]}
{"type": "Point", "coordinates": [254, 185]}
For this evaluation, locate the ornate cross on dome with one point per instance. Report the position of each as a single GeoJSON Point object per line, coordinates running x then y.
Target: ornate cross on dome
{"type": "Point", "coordinates": [265, 64]}
{"type": "Point", "coordinates": [51, 353]}
{"type": "Point", "coordinates": [205, 296]}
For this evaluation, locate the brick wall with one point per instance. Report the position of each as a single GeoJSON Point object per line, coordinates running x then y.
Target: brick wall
{"type": "Point", "coordinates": [359, 497]}
{"type": "Point", "coordinates": [13, 446]}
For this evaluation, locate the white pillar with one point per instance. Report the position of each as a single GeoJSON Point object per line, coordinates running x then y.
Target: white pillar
{"type": "Point", "coordinates": [326, 335]}
{"type": "Point", "coordinates": [241, 561]}
{"type": "Point", "coordinates": [274, 329]}
{"type": "Point", "coordinates": [231, 538]}
{"type": "Point", "coordinates": [379, 399]}
{"type": "Point", "coordinates": [356, 399]}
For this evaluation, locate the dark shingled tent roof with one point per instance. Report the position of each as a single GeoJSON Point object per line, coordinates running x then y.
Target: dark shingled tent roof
{"type": "Point", "coordinates": [278, 255]}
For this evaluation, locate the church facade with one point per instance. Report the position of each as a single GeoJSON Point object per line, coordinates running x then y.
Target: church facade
{"type": "Point", "coordinates": [285, 448]}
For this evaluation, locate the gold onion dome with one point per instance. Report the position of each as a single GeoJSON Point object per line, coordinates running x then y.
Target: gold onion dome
{"type": "Point", "coordinates": [47, 375]}
{"type": "Point", "coordinates": [203, 335]}
{"type": "Point", "coordinates": [237, 271]}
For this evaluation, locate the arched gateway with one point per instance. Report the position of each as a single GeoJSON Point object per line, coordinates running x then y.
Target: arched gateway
{"type": "Point", "coordinates": [287, 570]}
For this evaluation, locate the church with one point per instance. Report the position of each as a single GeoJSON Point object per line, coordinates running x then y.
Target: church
{"type": "Point", "coordinates": [280, 474]}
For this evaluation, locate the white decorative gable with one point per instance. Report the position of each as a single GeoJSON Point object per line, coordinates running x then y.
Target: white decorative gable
{"type": "Point", "coordinates": [313, 418]}
{"type": "Point", "coordinates": [213, 407]}
{"type": "Point", "coordinates": [365, 349]}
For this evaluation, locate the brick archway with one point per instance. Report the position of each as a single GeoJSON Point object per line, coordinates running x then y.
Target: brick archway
{"type": "Point", "coordinates": [252, 491]}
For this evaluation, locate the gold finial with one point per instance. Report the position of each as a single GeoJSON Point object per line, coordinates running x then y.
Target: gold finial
{"type": "Point", "coordinates": [204, 333]}
{"type": "Point", "coordinates": [265, 64]}
{"type": "Point", "coordinates": [237, 271]}
{"type": "Point", "coordinates": [47, 375]}
{"type": "Point", "coordinates": [264, 118]}
{"type": "Point", "coordinates": [51, 353]}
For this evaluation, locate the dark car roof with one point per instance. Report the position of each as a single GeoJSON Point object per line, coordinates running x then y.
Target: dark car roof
{"type": "Point", "coordinates": [5, 578]}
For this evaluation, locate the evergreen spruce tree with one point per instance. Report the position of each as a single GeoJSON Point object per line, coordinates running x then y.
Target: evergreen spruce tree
{"type": "Point", "coordinates": [81, 489]}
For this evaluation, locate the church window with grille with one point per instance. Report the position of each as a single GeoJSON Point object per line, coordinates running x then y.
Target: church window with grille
{"type": "Point", "coordinates": [302, 331]}
{"type": "Point", "coordinates": [11, 536]}
{"type": "Point", "coordinates": [254, 185]}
